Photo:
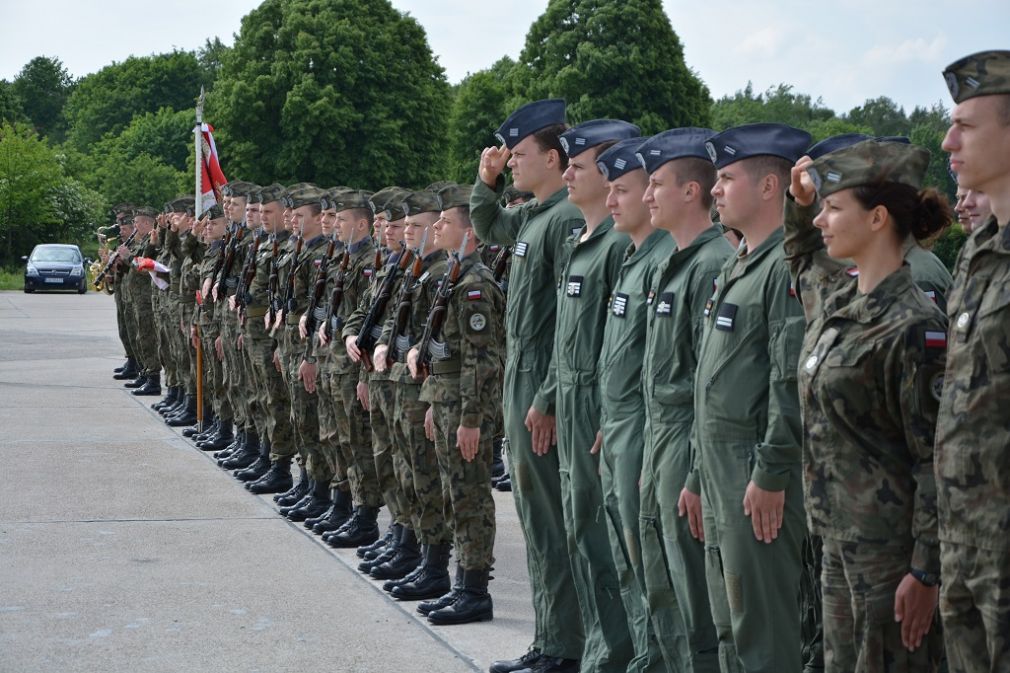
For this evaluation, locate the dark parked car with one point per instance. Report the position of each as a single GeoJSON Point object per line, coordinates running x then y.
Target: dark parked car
{"type": "Point", "coordinates": [53, 266]}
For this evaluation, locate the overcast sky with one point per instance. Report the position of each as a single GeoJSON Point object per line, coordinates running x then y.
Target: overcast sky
{"type": "Point", "coordinates": [843, 51]}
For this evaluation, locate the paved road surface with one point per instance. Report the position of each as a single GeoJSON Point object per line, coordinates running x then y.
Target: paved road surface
{"type": "Point", "coordinates": [123, 548]}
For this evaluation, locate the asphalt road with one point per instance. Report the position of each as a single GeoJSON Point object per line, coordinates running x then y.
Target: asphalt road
{"type": "Point", "coordinates": [123, 548]}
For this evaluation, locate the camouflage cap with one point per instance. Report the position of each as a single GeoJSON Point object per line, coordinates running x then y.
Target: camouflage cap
{"type": "Point", "coordinates": [868, 162]}
{"type": "Point", "coordinates": [388, 202]}
{"type": "Point", "coordinates": [511, 193]}
{"type": "Point", "coordinates": [146, 211]}
{"type": "Point", "coordinates": [238, 188]}
{"type": "Point", "coordinates": [986, 73]}
{"type": "Point", "coordinates": [180, 204]}
{"type": "Point", "coordinates": [454, 196]}
{"type": "Point", "coordinates": [271, 193]}
{"type": "Point", "coordinates": [254, 195]}
{"type": "Point", "coordinates": [347, 199]}
{"type": "Point", "coordinates": [439, 185]}
{"type": "Point", "coordinates": [419, 202]}
{"type": "Point", "coordinates": [302, 196]}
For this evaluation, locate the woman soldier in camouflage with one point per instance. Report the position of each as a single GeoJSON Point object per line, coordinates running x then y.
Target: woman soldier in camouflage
{"type": "Point", "coordinates": [870, 377]}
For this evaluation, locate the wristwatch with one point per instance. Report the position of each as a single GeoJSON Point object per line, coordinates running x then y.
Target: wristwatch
{"type": "Point", "coordinates": [925, 578]}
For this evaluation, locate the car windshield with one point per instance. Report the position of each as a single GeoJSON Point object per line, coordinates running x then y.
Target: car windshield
{"type": "Point", "coordinates": [60, 255]}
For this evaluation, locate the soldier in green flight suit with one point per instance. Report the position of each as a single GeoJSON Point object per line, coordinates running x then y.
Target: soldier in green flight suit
{"type": "Point", "coordinates": [464, 390]}
{"type": "Point", "coordinates": [586, 284]}
{"type": "Point", "coordinates": [538, 231]}
{"type": "Point", "coordinates": [747, 425]}
{"type": "Point", "coordinates": [679, 199]}
{"type": "Point", "coordinates": [972, 460]}
{"type": "Point", "coordinates": [619, 440]}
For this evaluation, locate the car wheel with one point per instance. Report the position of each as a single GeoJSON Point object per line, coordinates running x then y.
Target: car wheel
{"type": "Point", "coordinates": [82, 289]}
{"type": "Point", "coordinates": [28, 290]}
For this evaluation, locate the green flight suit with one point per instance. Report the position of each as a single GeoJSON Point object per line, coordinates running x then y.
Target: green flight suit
{"type": "Point", "coordinates": [622, 423]}
{"type": "Point", "coordinates": [674, 561]}
{"type": "Point", "coordinates": [537, 231]}
{"type": "Point", "coordinates": [747, 428]}
{"type": "Point", "coordinates": [586, 285]}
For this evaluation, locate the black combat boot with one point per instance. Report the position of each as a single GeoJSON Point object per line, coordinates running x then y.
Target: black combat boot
{"type": "Point", "coordinates": [473, 604]}
{"type": "Point", "coordinates": [497, 464]}
{"type": "Point", "coordinates": [122, 366]}
{"type": "Point", "coordinates": [385, 553]}
{"type": "Point", "coordinates": [303, 499]}
{"type": "Point", "coordinates": [246, 455]}
{"type": "Point", "coordinates": [221, 438]}
{"type": "Point", "coordinates": [406, 559]}
{"type": "Point", "coordinates": [295, 493]}
{"type": "Point", "coordinates": [523, 663]}
{"type": "Point", "coordinates": [236, 444]}
{"type": "Point", "coordinates": [370, 551]}
{"type": "Point", "coordinates": [505, 483]}
{"type": "Point", "coordinates": [260, 466]}
{"type": "Point", "coordinates": [168, 400]}
{"type": "Point", "coordinates": [317, 503]}
{"type": "Point", "coordinates": [337, 515]}
{"type": "Point", "coordinates": [185, 417]}
{"type": "Point", "coordinates": [446, 599]}
{"type": "Point", "coordinates": [361, 529]}
{"type": "Point", "coordinates": [129, 371]}
{"type": "Point", "coordinates": [194, 432]}
{"type": "Point", "coordinates": [276, 480]}
{"type": "Point", "coordinates": [432, 581]}
{"type": "Point", "coordinates": [151, 387]}
{"type": "Point", "coordinates": [138, 382]}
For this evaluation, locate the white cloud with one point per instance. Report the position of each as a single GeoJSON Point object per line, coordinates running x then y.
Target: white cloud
{"type": "Point", "coordinates": [907, 51]}
{"type": "Point", "coordinates": [762, 43]}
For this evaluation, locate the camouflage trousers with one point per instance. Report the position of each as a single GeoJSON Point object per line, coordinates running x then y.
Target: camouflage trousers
{"type": "Point", "coordinates": [390, 467]}
{"type": "Point", "coordinates": [121, 321]}
{"type": "Point", "coordinates": [608, 647]}
{"type": "Point", "coordinates": [270, 389]}
{"type": "Point", "coordinates": [858, 582]}
{"type": "Point", "coordinates": [162, 310]}
{"type": "Point", "coordinates": [234, 372]}
{"type": "Point", "coordinates": [423, 485]}
{"type": "Point", "coordinates": [466, 488]}
{"type": "Point", "coordinates": [185, 353]}
{"type": "Point", "coordinates": [329, 435]}
{"type": "Point", "coordinates": [673, 560]}
{"type": "Point", "coordinates": [355, 435]}
{"type": "Point", "coordinates": [975, 607]}
{"type": "Point", "coordinates": [620, 470]}
{"type": "Point", "coordinates": [144, 329]}
{"type": "Point", "coordinates": [304, 411]}
{"type": "Point", "coordinates": [213, 379]}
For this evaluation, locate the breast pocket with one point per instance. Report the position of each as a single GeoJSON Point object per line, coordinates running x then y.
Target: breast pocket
{"type": "Point", "coordinates": [992, 326]}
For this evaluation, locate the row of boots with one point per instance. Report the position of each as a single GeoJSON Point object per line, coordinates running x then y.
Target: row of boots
{"type": "Point", "coordinates": [140, 384]}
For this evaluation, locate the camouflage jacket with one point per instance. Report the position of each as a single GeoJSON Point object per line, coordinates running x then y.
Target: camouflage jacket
{"type": "Point", "coordinates": [473, 335]}
{"type": "Point", "coordinates": [870, 376]}
{"type": "Point", "coordinates": [353, 323]}
{"type": "Point", "coordinates": [421, 296]}
{"type": "Point", "coordinates": [357, 280]}
{"type": "Point", "coordinates": [972, 430]}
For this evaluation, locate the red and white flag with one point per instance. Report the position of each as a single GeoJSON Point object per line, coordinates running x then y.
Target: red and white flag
{"type": "Point", "coordinates": [212, 177]}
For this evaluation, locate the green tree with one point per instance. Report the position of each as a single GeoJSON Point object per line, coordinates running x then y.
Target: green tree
{"type": "Point", "coordinates": [106, 101]}
{"type": "Point", "coordinates": [29, 175]}
{"type": "Point", "coordinates": [949, 244]}
{"type": "Point", "coordinates": [777, 104]}
{"type": "Point", "coordinates": [43, 87]}
{"type": "Point", "coordinates": [210, 56]}
{"type": "Point", "coordinates": [79, 211]}
{"type": "Point", "coordinates": [882, 116]}
{"type": "Point", "coordinates": [10, 104]}
{"type": "Point", "coordinates": [610, 58]}
{"type": "Point", "coordinates": [331, 91]}
{"type": "Point", "coordinates": [478, 107]}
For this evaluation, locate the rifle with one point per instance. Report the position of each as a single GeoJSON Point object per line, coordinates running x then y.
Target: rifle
{"type": "Point", "coordinates": [365, 341]}
{"type": "Point", "coordinates": [272, 282]}
{"type": "Point", "coordinates": [501, 265]}
{"type": "Point", "coordinates": [246, 277]}
{"type": "Point", "coordinates": [218, 263]}
{"type": "Point", "coordinates": [229, 258]}
{"type": "Point", "coordinates": [113, 258]}
{"type": "Point", "coordinates": [400, 340]}
{"type": "Point", "coordinates": [311, 321]}
{"type": "Point", "coordinates": [337, 297]}
{"type": "Point", "coordinates": [289, 291]}
{"type": "Point", "coordinates": [439, 307]}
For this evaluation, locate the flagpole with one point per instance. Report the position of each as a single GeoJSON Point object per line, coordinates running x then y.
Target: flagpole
{"type": "Point", "coordinates": [198, 197]}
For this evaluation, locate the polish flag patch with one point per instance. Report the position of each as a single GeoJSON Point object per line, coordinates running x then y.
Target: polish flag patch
{"type": "Point", "coordinates": [936, 340]}
{"type": "Point", "coordinates": [473, 295]}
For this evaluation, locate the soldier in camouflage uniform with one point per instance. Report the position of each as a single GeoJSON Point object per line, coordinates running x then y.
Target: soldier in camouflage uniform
{"type": "Point", "coordinates": [679, 197]}
{"type": "Point", "coordinates": [196, 271]}
{"type": "Point", "coordinates": [587, 281]}
{"type": "Point", "coordinates": [162, 302]}
{"type": "Point", "coordinates": [972, 460]}
{"type": "Point", "coordinates": [619, 440]}
{"type": "Point", "coordinates": [538, 230]}
{"type": "Point", "coordinates": [464, 390]}
{"type": "Point", "coordinates": [124, 220]}
{"type": "Point", "coordinates": [747, 423]}
{"type": "Point", "coordinates": [139, 288]}
{"type": "Point", "coordinates": [177, 339]}
{"type": "Point", "coordinates": [871, 334]}
{"type": "Point", "coordinates": [191, 249]}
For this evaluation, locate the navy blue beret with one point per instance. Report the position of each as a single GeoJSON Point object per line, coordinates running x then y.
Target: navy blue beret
{"type": "Point", "coordinates": [754, 140]}
{"type": "Point", "coordinates": [530, 118]}
{"type": "Point", "coordinates": [673, 144]}
{"type": "Point", "coordinates": [845, 140]}
{"type": "Point", "coordinates": [619, 159]}
{"type": "Point", "coordinates": [590, 134]}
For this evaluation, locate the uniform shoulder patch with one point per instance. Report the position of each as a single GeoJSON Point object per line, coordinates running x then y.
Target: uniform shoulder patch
{"type": "Point", "coordinates": [478, 322]}
{"type": "Point", "coordinates": [936, 386]}
{"type": "Point", "coordinates": [473, 295]}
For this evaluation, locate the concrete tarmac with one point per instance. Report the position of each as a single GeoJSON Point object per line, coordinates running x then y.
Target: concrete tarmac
{"type": "Point", "coordinates": [125, 549]}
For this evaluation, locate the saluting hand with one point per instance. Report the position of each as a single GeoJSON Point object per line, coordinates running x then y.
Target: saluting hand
{"type": "Point", "coordinates": [689, 505]}
{"type": "Point", "coordinates": [765, 511]}
{"type": "Point", "coordinates": [801, 185]}
{"type": "Point", "coordinates": [492, 163]}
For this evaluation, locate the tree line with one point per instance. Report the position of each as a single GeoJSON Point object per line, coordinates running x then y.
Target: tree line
{"type": "Point", "coordinates": [348, 92]}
